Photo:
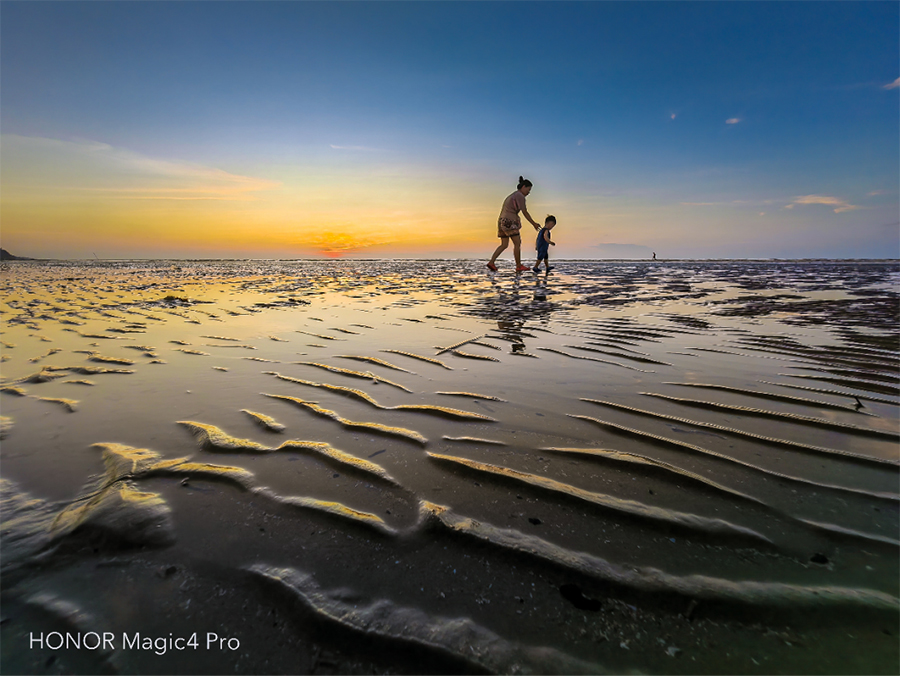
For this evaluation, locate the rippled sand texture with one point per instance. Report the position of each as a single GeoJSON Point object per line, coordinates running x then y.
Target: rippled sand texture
{"type": "Point", "coordinates": [348, 466]}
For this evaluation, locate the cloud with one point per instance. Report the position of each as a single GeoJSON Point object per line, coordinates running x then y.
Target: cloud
{"type": "Point", "coordinates": [839, 204]}
{"type": "Point", "coordinates": [875, 193]}
{"type": "Point", "coordinates": [732, 120]}
{"type": "Point", "coordinates": [672, 116]}
{"type": "Point", "coordinates": [893, 85]}
{"type": "Point", "coordinates": [364, 148]}
{"type": "Point", "coordinates": [700, 204]}
{"type": "Point", "coordinates": [580, 142]}
{"type": "Point", "coordinates": [89, 167]}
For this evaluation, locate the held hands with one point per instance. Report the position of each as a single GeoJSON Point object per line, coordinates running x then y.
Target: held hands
{"type": "Point", "coordinates": [553, 243]}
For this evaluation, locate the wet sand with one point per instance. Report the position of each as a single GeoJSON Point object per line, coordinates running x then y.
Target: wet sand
{"type": "Point", "coordinates": [421, 467]}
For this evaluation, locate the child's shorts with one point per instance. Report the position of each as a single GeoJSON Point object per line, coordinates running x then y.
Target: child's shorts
{"type": "Point", "coordinates": [543, 256]}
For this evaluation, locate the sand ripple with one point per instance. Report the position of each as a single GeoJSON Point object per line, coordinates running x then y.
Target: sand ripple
{"type": "Point", "coordinates": [382, 620]}
{"type": "Point", "coordinates": [214, 439]}
{"type": "Point", "coordinates": [671, 519]}
{"type": "Point", "coordinates": [773, 595]}
{"type": "Point", "coordinates": [356, 374]}
{"type": "Point", "coordinates": [367, 426]}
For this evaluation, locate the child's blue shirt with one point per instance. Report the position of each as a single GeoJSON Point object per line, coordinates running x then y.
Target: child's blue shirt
{"type": "Point", "coordinates": [541, 244]}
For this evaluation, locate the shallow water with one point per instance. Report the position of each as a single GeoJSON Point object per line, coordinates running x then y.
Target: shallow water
{"type": "Point", "coordinates": [669, 467]}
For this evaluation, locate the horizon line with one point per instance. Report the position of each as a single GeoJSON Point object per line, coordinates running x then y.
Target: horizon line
{"type": "Point", "coordinates": [21, 259]}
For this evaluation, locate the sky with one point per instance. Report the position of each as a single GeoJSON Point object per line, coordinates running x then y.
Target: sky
{"type": "Point", "coordinates": [396, 129]}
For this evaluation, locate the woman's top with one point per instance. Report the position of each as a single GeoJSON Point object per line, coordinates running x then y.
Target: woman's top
{"type": "Point", "coordinates": [512, 205]}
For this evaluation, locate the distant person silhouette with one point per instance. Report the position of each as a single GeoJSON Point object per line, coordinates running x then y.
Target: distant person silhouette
{"type": "Point", "coordinates": [509, 224]}
{"type": "Point", "coordinates": [654, 255]}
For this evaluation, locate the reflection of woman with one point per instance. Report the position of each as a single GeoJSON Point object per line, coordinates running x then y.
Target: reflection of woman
{"type": "Point", "coordinates": [509, 224]}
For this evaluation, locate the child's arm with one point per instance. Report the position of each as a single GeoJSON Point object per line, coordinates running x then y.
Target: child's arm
{"type": "Point", "coordinates": [547, 237]}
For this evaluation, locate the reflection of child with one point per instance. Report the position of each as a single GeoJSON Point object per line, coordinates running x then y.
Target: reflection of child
{"type": "Point", "coordinates": [543, 244]}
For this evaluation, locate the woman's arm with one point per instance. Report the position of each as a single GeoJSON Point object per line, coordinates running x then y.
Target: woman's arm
{"type": "Point", "coordinates": [530, 219]}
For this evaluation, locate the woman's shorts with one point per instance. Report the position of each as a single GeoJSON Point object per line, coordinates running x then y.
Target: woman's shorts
{"type": "Point", "coordinates": [507, 227]}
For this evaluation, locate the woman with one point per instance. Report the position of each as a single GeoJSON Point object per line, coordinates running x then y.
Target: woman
{"type": "Point", "coordinates": [509, 224]}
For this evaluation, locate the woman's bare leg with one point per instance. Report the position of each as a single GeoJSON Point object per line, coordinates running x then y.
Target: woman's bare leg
{"type": "Point", "coordinates": [517, 249]}
{"type": "Point", "coordinates": [504, 242]}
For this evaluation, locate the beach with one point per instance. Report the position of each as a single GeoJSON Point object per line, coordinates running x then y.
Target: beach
{"type": "Point", "coordinates": [416, 466]}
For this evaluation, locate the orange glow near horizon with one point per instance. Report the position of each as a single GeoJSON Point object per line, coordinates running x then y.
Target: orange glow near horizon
{"type": "Point", "coordinates": [80, 199]}
{"type": "Point", "coordinates": [60, 197]}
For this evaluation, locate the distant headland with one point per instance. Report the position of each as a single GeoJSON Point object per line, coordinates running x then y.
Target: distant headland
{"type": "Point", "coordinates": [6, 256]}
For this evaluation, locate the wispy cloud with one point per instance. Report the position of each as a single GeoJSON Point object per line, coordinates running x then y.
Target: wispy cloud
{"type": "Point", "coordinates": [364, 148]}
{"type": "Point", "coordinates": [672, 116]}
{"type": "Point", "coordinates": [732, 120]}
{"type": "Point", "coordinates": [85, 166]}
{"type": "Point", "coordinates": [875, 193]}
{"type": "Point", "coordinates": [893, 85]}
{"type": "Point", "coordinates": [700, 204]}
{"type": "Point", "coordinates": [839, 205]}
{"type": "Point", "coordinates": [580, 142]}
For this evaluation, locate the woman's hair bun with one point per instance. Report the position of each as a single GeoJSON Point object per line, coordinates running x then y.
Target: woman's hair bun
{"type": "Point", "coordinates": [521, 180]}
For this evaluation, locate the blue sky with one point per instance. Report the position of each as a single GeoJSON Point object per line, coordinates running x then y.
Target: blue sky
{"type": "Point", "coordinates": [711, 129]}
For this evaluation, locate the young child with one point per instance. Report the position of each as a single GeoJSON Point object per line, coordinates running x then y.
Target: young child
{"type": "Point", "coordinates": [543, 244]}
